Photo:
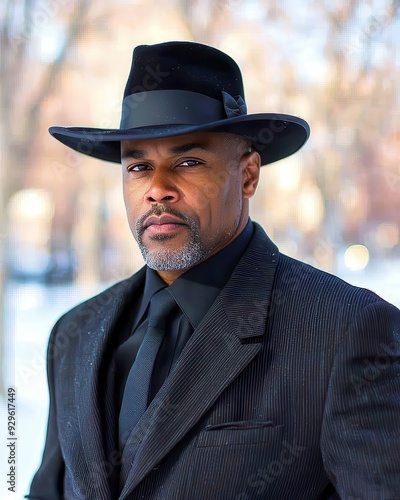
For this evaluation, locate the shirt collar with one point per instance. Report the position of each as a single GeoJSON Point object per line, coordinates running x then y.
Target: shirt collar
{"type": "Point", "coordinates": [196, 290]}
{"type": "Point", "coordinates": [152, 285]}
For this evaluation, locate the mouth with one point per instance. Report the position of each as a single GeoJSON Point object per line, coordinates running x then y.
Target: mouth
{"type": "Point", "coordinates": [162, 225]}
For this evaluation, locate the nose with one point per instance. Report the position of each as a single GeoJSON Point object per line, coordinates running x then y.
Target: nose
{"type": "Point", "coordinates": [162, 188]}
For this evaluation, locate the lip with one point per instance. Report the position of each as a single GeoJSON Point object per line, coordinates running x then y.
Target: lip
{"type": "Point", "coordinates": [163, 224]}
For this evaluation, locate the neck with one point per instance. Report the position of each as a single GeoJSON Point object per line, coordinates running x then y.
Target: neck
{"type": "Point", "coordinates": [170, 276]}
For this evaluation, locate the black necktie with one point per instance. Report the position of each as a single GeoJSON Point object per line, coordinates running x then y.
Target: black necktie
{"type": "Point", "coordinates": [136, 393]}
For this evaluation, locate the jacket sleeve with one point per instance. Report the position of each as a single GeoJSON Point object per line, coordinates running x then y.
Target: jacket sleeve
{"type": "Point", "coordinates": [360, 438]}
{"type": "Point", "coordinates": [48, 481]}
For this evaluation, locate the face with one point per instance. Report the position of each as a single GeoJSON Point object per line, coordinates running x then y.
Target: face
{"type": "Point", "coordinates": [187, 196]}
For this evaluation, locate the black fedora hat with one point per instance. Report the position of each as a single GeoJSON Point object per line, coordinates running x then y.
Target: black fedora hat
{"type": "Point", "coordinates": [178, 88]}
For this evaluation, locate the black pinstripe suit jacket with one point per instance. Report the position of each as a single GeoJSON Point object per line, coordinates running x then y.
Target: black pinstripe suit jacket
{"type": "Point", "coordinates": [288, 389]}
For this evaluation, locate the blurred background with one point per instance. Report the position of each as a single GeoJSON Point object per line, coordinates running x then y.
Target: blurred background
{"type": "Point", "coordinates": [63, 230]}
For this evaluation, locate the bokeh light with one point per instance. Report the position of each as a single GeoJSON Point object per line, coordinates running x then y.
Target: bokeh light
{"type": "Point", "coordinates": [356, 257]}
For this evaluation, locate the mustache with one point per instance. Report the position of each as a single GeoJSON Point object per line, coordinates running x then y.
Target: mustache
{"type": "Point", "coordinates": [159, 209]}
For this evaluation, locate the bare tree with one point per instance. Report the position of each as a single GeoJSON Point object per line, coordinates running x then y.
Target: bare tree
{"type": "Point", "coordinates": [20, 24]}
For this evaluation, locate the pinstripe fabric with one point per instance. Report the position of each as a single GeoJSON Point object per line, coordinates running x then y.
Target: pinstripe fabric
{"type": "Point", "coordinates": [291, 384]}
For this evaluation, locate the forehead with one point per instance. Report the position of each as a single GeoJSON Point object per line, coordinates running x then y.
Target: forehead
{"type": "Point", "coordinates": [207, 141]}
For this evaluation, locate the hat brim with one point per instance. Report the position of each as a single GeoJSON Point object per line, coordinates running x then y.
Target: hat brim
{"type": "Point", "coordinates": [274, 136]}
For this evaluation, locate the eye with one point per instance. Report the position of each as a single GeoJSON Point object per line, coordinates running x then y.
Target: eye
{"type": "Point", "coordinates": [139, 167]}
{"type": "Point", "coordinates": [190, 163]}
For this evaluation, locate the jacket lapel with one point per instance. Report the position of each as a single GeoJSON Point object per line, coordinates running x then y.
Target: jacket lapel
{"type": "Point", "coordinates": [94, 353]}
{"type": "Point", "coordinates": [213, 357]}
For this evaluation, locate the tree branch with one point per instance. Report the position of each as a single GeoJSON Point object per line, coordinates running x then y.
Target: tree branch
{"type": "Point", "coordinates": [76, 27]}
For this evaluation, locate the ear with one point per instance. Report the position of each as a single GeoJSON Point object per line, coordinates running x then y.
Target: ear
{"type": "Point", "coordinates": [250, 165]}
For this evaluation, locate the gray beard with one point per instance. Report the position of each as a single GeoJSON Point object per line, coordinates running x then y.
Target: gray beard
{"type": "Point", "coordinates": [166, 259]}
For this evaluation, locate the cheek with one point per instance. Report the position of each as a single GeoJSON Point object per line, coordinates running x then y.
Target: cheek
{"type": "Point", "coordinates": [231, 194]}
{"type": "Point", "coordinates": [133, 192]}
{"type": "Point", "coordinates": [232, 204]}
{"type": "Point", "coordinates": [223, 206]}
{"type": "Point", "coordinates": [223, 188]}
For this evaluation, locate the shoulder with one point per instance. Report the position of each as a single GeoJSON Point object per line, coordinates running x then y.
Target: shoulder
{"type": "Point", "coordinates": [75, 329]}
{"type": "Point", "coordinates": [323, 299]}
{"type": "Point", "coordinates": [106, 300]}
{"type": "Point", "coordinates": [301, 290]}
{"type": "Point", "coordinates": [295, 278]}
{"type": "Point", "coordinates": [295, 275]}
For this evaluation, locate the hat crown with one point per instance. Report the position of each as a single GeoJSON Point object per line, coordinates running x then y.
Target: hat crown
{"type": "Point", "coordinates": [187, 66]}
{"type": "Point", "coordinates": [177, 88]}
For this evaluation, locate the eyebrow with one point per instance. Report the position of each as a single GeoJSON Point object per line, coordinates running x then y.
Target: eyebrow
{"type": "Point", "coordinates": [185, 148]}
{"type": "Point", "coordinates": [139, 154]}
{"type": "Point", "coordinates": [136, 154]}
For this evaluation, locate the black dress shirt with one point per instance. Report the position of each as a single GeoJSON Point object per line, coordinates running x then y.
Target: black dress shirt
{"type": "Point", "coordinates": [194, 291]}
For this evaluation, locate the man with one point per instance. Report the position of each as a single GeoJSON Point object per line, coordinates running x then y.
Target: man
{"type": "Point", "coordinates": [223, 369]}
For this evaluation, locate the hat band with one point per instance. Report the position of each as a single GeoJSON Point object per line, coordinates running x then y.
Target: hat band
{"type": "Point", "coordinates": [170, 107]}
